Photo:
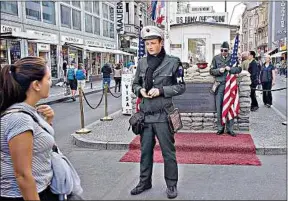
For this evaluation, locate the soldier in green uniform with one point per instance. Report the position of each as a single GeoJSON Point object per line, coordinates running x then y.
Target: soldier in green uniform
{"type": "Point", "coordinates": [158, 78]}
{"type": "Point", "coordinates": [219, 68]}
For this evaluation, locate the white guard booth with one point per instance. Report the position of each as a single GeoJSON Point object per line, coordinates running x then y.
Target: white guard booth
{"type": "Point", "coordinates": [126, 83]}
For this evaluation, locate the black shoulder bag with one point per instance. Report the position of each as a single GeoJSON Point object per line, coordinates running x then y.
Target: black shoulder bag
{"type": "Point", "coordinates": [136, 122]}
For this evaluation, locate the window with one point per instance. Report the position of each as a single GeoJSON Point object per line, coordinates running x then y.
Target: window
{"type": "Point", "coordinates": [111, 9]}
{"type": "Point", "coordinates": [251, 33]}
{"type": "Point", "coordinates": [48, 12]}
{"type": "Point", "coordinates": [105, 11]}
{"type": "Point", "coordinates": [96, 7]}
{"type": "Point", "coordinates": [105, 28]}
{"type": "Point", "coordinates": [65, 16]}
{"type": "Point", "coordinates": [76, 4]}
{"type": "Point", "coordinates": [76, 19]}
{"type": "Point", "coordinates": [68, 2]}
{"type": "Point", "coordinates": [10, 7]}
{"type": "Point", "coordinates": [33, 10]}
{"type": "Point", "coordinates": [88, 6]}
{"type": "Point", "coordinates": [88, 23]}
{"type": "Point", "coordinates": [96, 25]}
{"type": "Point", "coordinates": [111, 30]}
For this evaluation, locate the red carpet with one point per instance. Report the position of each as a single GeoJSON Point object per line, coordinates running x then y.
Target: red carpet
{"type": "Point", "coordinates": [203, 148]}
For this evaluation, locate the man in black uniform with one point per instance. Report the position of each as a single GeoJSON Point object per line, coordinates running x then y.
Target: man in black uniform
{"type": "Point", "coordinates": [254, 76]}
{"type": "Point", "coordinates": [158, 78]}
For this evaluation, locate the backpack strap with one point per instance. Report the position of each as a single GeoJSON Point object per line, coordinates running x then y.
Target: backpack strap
{"type": "Point", "coordinates": [19, 110]}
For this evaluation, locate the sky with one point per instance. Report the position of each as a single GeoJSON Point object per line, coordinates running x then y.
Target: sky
{"type": "Point", "coordinates": [220, 7]}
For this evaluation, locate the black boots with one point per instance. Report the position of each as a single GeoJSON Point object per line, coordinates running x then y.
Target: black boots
{"type": "Point", "coordinates": [232, 133]}
{"type": "Point", "coordinates": [171, 192]}
{"type": "Point", "coordinates": [140, 188]}
{"type": "Point", "coordinates": [220, 132]}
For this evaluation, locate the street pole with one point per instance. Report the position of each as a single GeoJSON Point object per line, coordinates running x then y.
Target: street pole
{"type": "Point", "coordinates": [225, 6]}
{"type": "Point", "coordinates": [83, 130]}
{"type": "Point", "coordinates": [167, 29]}
{"type": "Point", "coordinates": [106, 117]}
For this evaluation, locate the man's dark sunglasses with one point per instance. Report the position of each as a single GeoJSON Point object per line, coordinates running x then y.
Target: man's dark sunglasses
{"type": "Point", "coordinates": [224, 50]}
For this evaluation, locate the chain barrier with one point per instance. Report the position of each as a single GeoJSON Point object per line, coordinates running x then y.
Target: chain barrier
{"type": "Point", "coordinates": [114, 94]}
{"type": "Point", "coordinates": [279, 89]}
{"type": "Point", "coordinates": [94, 108]}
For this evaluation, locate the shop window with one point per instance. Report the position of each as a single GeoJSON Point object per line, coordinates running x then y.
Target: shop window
{"type": "Point", "coordinates": [32, 49]}
{"type": "Point", "coordinates": [88, 6]}
{"type": "Point", "coordinates": [53, 57]}
{"type": "Point", "coordinates": [96, 7]}
{"type": "Point", "coordinates": [106, 28]}
{"type": "Point", "coordinates": [10, 7]}
{"type": "Point", "coordinates": [105, 11]}
{"type": "Point", "coordinates": [3, 52]}
{"type": "Point", "coordinates": [76, 4]}
{"type": "Point", "coordinates": [112, 35]}
{"type": "Point", "coordinates": [76, 18]}
{"type": "Point", "coordinates": [88, 23]}
{"type": "Point", "coordinates": [96, 26]}
{"type": "Point", "coordinates": [80, 56]}
{"type": "Point", "coordinates": [33, 10]}
{"type": "Point", "coordinates": [111, 12]}
{"type": "Point", "coordinates": [96, 63]}
{"type": "Point", "coordinates": [65, 16]}
{"type": "Point", "coordinates": [48, 9]}
{"type": "Point", "coordinates": [15, 51]}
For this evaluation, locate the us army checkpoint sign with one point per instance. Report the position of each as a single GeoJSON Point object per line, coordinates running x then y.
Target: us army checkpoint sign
{"type": "Point", "coordinates": [126, 83]}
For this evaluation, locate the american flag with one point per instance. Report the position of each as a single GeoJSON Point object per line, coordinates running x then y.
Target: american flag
{"type": "Point", "coordinates": [153, 9]}
{"type": "Point", "coordinates": [231, 103]}
{"type": "Point", "coordinates": [141, 47]}
{"type": "Point", "coordinates": [160, 12]}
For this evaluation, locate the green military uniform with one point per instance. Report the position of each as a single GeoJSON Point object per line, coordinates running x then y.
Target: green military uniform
{"type": "Point", "coordinates": [220, 62]}
{"type": "Point", "coordinates": [156, 124]}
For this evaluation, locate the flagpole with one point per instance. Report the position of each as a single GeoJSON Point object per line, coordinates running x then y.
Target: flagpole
{"type": "Point", "coordinates": [167, 28]}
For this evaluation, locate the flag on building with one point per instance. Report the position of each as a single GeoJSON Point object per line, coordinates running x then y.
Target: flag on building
{"type": "Point", "coordinates": [160, 16]}
{"type": "Point", "coordinates": [153, 9]}
{"type": "Point", "coordinates": [141, 46]}
{"type": "Point", "coordinates": [231, 103]}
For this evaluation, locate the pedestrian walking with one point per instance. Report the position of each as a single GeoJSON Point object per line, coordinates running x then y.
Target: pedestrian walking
{"type": "Point", "coordinates": [267, 78]}
{"type": "Point", "coordinates": [106, 74]}
{"type": "Point", "coordinates": [117, 77]}
{"type": "Point", "coordinates": [219, 69]}
{"type": "Point", "coordinates": [26, 171]}
{"type": "Point", "coordinates": [81, 77]}
{"type": "Point", "coordinates": [254, 71]}
{"type": "Point", "coordinates": [71, 78]}
{"type": "Point", "coordinates": [157, 80]}
{"type": "Point", "coordinates": [64, 67]}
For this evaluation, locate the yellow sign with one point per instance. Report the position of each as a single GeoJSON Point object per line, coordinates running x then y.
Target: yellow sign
{"type": "Point", "coordinates": [283, 48]}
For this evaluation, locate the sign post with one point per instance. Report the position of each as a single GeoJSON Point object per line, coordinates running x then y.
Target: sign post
{"type": "Point", "coordinates": [126, 83]}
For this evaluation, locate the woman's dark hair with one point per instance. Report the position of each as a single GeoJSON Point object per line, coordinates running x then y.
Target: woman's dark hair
{"type": "Point", "coordinates": [118, 66]}
{"type": "Point", "coordinates": [15, 79]}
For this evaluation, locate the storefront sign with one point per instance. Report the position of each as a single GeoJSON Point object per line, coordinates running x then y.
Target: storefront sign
{"type": "Point", "coordinates": [70, 39]}
{"type": "Point", "coordinates": [43, 47]}
{"type": "Point", "coordinates": [201, 9]}
{"type": "Point", "coordinates": [44, 35]}
{"type": "Point", "coordinates": [280, 19]}
{"type": "Point", "coordinates": [93, 43]}
{"type": "Point", "coordinates": [134, 44]}
{"type": "Point", "coordinates": [127, 80]}
{"type": "Point", "coordinates": [175, 45]}
{"type": "Point", "coordinates": [120, 18]}
{"type": "Point", "coordinates": [7, 29]}
{"type": "Point", "coordinates": [190, 18]}
{"type": "Point", "coordinates": [109, 45]}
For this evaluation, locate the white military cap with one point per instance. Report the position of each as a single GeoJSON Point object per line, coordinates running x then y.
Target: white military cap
{"type": "Point", "coordinates": [151, 32]}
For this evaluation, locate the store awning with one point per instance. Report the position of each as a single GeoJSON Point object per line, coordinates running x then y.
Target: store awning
{"type": "Point", "coordinates": [121, 52]}
{"type": "Point", "coordinates": [279, 54]}
{"type": "Point", "coordinates": [44, 41]}
{"type": "Point", "coordinates": [271, 51]}
{"type": "Point", "coordinates": [21, 35]}
{"type": "Point", "coordinates": [100, 49]}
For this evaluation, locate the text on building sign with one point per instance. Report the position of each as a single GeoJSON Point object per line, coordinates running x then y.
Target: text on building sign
{"type": "Point", "coordinates": [120, 16]}
{"type": "Point", "coordinates": [189, 19]}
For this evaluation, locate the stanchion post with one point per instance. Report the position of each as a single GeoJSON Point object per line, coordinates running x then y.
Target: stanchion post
{"type": "Point", "coordinates": [106, 117]}
{"type": "Point", "coordinates": [83, 130]}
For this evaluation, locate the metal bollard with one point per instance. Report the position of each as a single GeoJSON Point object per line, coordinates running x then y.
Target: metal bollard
{"type": "Point", "coordinates": [106, 117]}
{"type": "Point", "coordinates": [83, 130]}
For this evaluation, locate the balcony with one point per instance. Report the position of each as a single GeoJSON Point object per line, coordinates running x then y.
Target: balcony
{"type": "Point", "coordinates": [131, 29]}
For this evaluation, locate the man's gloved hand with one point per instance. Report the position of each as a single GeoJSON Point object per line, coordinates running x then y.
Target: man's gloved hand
{"type": "Point", "coordinates": [227, 68]}
{"type": "Point", "coordinates": [154, 92]}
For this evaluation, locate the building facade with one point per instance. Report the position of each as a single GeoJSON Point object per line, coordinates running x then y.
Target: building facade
{"type": "Point", "coordinates": [78, 31]}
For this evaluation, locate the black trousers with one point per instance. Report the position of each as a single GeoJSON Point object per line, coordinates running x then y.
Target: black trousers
{"type": "Point", "coordinates": [45, 195]}
{"type": "Point", "coordinates": [254, 102]}
{"type": "Point", "coordinates": [166, 141]}
{"type": "Point", "coordinates": [267, 95]}
{"type": "Point", "coordinates": [117, 83]}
